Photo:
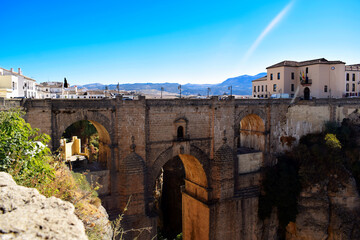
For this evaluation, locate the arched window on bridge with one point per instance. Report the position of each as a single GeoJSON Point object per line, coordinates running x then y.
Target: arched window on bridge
{"type": "Point", "coordinates": [180, 126]}
{"type": "Point", "coordinates": [180, 133]}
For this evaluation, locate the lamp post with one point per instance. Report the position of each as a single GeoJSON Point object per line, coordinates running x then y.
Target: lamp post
{"type": "Point", "coordinates": [208, 91]}
{"type": "Point", "coordinates": [179, 87]}
{"type": "Point", "coordinates": [230, 88]}
{"type": "Point", "coordinates": [162, 89]}
{"type": "Point", "coordinates": [330, 73]}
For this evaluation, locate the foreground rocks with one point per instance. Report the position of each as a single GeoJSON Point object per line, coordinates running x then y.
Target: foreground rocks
{"type": "Point", "coordinates": [26, 214]}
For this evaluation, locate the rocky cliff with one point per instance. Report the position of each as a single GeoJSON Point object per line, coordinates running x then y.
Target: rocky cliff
{"type": "Point", "coordinates": [329, 208]}
{"type": "Point", "coordinates": [327, 214]}
{"type": "Point", "coordinates": [26, 214]}
{"type": "Point", "coordinates": [322, 175]}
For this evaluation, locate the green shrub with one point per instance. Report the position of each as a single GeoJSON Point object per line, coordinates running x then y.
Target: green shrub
{"type": "Point", "coordinates": [23, 150]}
{"type": "Point", "coordinates": [179, 236]}
{"type": "Point", "coordinates": [84, 185]}
{"type": "Point", "coordinates": [332, 141]}
{"type": "Point", "coordinates": [23, 154]}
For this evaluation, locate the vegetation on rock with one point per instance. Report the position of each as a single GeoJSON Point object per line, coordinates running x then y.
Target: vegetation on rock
{"type": "Point", "coordinates": [24, 154]}
{"type": "Point", "coordinates": [23, 151]}
{"type": "Point", "coordinates": [331, 156]}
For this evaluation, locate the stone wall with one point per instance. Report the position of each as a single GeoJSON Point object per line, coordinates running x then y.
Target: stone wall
{"type": "Point", "coordinates": [140, 136]}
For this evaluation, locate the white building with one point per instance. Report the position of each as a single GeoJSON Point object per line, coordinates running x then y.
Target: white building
{"type": "Point", "coordinates": [50, 90]}
{"type": "Point", "coordinates": [352, 80]}
{"type": "Point", "coordinates": [15, 85]}
{"type": "Point", "coordinates": [317, 78]}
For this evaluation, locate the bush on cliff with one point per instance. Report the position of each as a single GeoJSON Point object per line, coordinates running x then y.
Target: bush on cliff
{"type": "Point", "coordinates": [24, 154]}
{"type": "Point", "coordinates": [23, 151]}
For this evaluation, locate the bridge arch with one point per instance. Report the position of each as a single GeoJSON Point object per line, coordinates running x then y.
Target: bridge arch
{"type": "Point", "coordinates": [250, 130]}
{"type": "Point", "coordinates": [246, 112]}
{"type": "Point", "coordinates": [193, 193]}
{"type": "Point", "coordinates": [96, 146]}
{"type": "Point", "coordinates": [104, 142]}
{"type": "Point", "coordinates": [64, 119]}
{"type": "Point", "coordinates": [200, 162]}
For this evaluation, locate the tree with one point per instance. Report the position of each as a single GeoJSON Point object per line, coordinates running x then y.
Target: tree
{"type": "Point", "coordinates": [66, 85]}
{"type": "Point", "coordinates": [23, 150]}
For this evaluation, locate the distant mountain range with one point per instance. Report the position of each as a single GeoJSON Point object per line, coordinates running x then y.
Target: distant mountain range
{"type": "Point", "coordinates": [241, 85]}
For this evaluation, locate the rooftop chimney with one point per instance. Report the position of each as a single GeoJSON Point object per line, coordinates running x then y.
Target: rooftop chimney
{"type": "Point", "coordinates": [19, 71]}
{"type": "Point", "coordinates": [11, 70]}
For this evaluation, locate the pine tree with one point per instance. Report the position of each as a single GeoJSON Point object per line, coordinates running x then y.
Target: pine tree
{"type": "Point", "coordinates": [66, 85]}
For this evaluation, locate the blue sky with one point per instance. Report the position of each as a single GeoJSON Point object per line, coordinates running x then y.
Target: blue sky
{"type": "Point", "coordinates": [172, 41]}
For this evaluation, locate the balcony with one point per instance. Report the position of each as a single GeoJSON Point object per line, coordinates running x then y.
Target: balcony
{"type": "Point", "coordinates": [306, 82]}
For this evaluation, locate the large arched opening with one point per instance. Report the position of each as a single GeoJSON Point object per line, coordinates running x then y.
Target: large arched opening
{"type": "Point", "coordinates": [306, 93]}
{"type": "Point", "coordinates": [180, 191]}
{"type": "Point", "coordinates": [252, 133]}
{"type": "Point", "coordinates": [85, 147]}
{"type": "Point", "coordinates": [168, 198]}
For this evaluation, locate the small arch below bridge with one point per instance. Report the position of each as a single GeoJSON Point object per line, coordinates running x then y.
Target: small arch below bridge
{"type": "Point", "coordinates": [252, 133]}
{"type": "Point", "coordinates": [95, 140]}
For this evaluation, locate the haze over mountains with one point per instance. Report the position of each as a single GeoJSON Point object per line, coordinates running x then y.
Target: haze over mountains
{"type": "Point", "coordinates": [241, 85]}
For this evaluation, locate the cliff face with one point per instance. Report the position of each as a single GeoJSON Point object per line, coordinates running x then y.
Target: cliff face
{"type": "Point", "coordinates": [26, 214]}
{"type": "Point", "coordinates": [327, 213]}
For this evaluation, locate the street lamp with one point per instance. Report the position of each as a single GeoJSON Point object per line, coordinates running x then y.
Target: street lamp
{"type": "Point", "coordinates": [230, 88]}
{"type": "Point", "coordinates": [208, 91]}
{"type": "Point", "coordinates": [162, 89]}
{"type": "Point", "coordinates": [179, 87]}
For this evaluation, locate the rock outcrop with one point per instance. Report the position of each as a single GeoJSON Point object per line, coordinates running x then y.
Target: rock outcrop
{"type": "Point", "coordinates": [26, 214]}
{"type": "Point", "coordinates": [327, 214]}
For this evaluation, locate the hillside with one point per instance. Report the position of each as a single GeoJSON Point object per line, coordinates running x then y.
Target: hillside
{"type": "Point", "coordinates": [241, 85]}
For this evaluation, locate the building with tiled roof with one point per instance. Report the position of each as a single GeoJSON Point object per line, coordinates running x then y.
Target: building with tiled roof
{"type": "Point", "coordinates": [260, 88]}
{"type": "Point", "coordinates": [50, 89]}
{"type": "Point", "coordinates": [288, 63]}
{"type": "Point", "coordinates": [16, 85]}
{"type": "Point", "coordinates": [317, 78]}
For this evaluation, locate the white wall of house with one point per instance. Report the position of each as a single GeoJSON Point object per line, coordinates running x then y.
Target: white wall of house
{"type": "Point", "coordinates": [16, 84]}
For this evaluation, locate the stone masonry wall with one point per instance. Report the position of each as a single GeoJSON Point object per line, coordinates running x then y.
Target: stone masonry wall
{"type": "Point", "coordinates": [145, 131]}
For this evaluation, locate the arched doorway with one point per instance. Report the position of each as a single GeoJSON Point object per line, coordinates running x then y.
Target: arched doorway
{"type": "Point", "coordinates": [180, 133]}
{"type": "Point", "coordinates": [168, 198]}
{"type": "Point", "coordinates": [306, 93]}
{"type": "Point", "coordinates": [252, 133]}
{"type": "Point", "coordinates": [180, 192]}
{"type": "Point", "coordinates": [93, 155]}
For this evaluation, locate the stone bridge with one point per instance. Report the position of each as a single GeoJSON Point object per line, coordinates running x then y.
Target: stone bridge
{"type": "Point", "coordinates": [222, 144]}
